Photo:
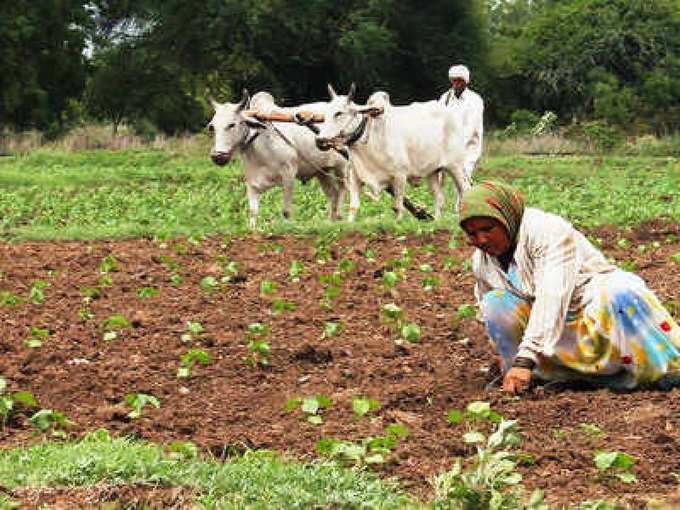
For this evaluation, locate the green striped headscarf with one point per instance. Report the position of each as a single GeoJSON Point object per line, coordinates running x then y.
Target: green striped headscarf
{"type": "Point", "coordinates": [493, 199]}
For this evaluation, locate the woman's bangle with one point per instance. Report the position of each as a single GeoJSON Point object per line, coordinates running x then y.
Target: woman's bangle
{"type": "Point", "coordinates": [527, 363]}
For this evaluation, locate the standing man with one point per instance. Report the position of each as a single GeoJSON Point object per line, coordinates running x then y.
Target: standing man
{"type": "Point", "coordinates": [471, 107]}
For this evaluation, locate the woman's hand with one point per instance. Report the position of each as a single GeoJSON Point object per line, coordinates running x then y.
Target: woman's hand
{"type": "Point", "coordinates": [517, 380]}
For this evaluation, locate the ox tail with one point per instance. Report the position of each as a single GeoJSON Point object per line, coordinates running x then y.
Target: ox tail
{"type": "Point", "coordinates": [418, 211]}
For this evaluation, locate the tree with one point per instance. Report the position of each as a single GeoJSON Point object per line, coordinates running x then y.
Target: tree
{"type": "Point", "coordinates": [42, 61]}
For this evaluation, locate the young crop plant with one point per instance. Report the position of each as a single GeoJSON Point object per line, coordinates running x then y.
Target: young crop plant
{"type": "Point", "coordinates": [322, 248]}
{"type": "Point", "coordinates": [450, 263]}
{"type": "Point", "coordinates": [491, 481]}
{"type": "Point", "coordinates": [280, 305]}
{"type": "Point", "coordinates": [47, 420]}
{"type": "Point", "coordinates": [362, 406]}
{"type": "Point", "coordinates": [8, 298]}
{"type": "Point", "coordinates": [148, 292]}
{"type": "Point", "coordinates": [371, 254]}
{"type": "Point", "coordinates": [346, 266]}
{"type": "Point", "coordinates": [267, 287]}
{"type": "Point", "coordinates": [310, 406]}
{"type": "Point", "coordinates": [37, 337]}
{"type": "Point", "coordinates": [138, 401]}
{"type": "Point", "coordinates": [9, 402]}
{"type": "Point", "coordinates": [36, 294]}
{"type": "Point", "coordinates": [296, 270]}
{"type": "Point", "coordinates": [229, 269]}
{"type": "Point", "coordinates": [209, 284]}
{"type": "Point", "coordinates": [109, 264]}
{"type": "Point", "coordinates": [430, 249]}
{"type": "Point", "coordinates": [113, 325]}
{"type": "Point", "coordinates": [430, 282]}
{"type": "Point", "coordinates": [396, 321]}
{"type": "Point", "coordinates": [332, 328]}
{"type": "Point", "coordinates": [368, 451]}
{"type": "Point", "coordinates": [193, 331]}
{"type": "Point", "coordinates": [390, 280]}
{"type": "Point", "coordinates": [592, 430]}
{"type": "Point", "coordinates": [332, 285]}
{"type": "Point", "coordinates": [465, 311]}
{"type": "Point", "coordinates": [189, 359]}
{"type": "Point", "coordinates": [258, 345]}
{"type": "Point", "coordinates": [615, 465]}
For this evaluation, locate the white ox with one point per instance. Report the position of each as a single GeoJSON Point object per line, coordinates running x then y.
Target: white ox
{"type": "Point", "coordinates": [391, 145]}
{"type": "Point", "coordinates": [275, 154]}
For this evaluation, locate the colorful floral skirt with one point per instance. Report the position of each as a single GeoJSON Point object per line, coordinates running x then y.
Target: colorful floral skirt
{"type": "Point", "coordinates": [623, 337]}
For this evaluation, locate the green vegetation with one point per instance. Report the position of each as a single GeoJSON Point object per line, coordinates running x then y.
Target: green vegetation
{"type": "Point", "coordinates": [89, 195]}
{"type": "Point", "coordinates": [254, 480]}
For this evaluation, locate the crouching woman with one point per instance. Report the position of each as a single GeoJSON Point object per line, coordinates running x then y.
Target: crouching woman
{"type": "Point", "coordinates": [554, 307]}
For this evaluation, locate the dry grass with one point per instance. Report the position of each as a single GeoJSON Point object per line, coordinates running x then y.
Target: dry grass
{"type": "Point", "coordinates": [101, 137]}
{"type": "Point", "coordinates": [527, 144]}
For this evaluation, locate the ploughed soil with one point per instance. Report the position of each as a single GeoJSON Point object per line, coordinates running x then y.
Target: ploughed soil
{"type": "Point", "coordinates": [228, 405]}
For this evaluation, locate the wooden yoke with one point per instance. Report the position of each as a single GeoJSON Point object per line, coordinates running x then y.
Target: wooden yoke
{"type": "Point", "coordinates": [304, 117]}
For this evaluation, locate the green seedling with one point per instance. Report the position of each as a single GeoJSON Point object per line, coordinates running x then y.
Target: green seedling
{"type": "Point", "coordinates": [189, 359]}
{"type": "Point", "coordinates": [280, 305]}
{"type": "Point", "coordinates": [106, 280]}
{"type": "Point", "coordinates": [296, 270]}
{"type": "Point", "coordinates": [36, 338]}
{"type": "Point", "coordinates": [425, 268]}
{"type": "Point", "coordinates": [258, 344]}
{"type": "Point", "coordinates": [36, 294]}
{"type": "Point", "coordinates": [676, 257]}
{"type": "Point", "coordinates": [180, 248]}
{"type": "Point", "coordinates": [171, 264]}
{"type": "Point", "coordinates": [148, 292]}
{"type": "Point", "coordinates": [8, 402]}
{"type": "Point", "coordinates": [85, 313]}
{"type": "Point", "coordinates": [628, 265]}
{"type": "Point", "coordinates": [592, 430]}
{"type": "Point", "coordinates": [209, 284]}
{"type": "Point", "coordinates": [175, 279]}
{"type": "Point", "coordinates": [430, 249]}
{"type": "Point", "coordinates": [229, 269]}
{"type": "Point", "coordinates": [362, 406]}
{"type": "Point", "coordinates": [430, 283]}
{"type": "Point", "coordinates": [492, 480]}
{"type": "Point", "coordinates": [346, 266]}
{"type": "Point", "coordinates": [109, 264]}
{"type": "Point", "coordinates": [116, 322]}
{"type": "Point", "coordinates": [390, 279]}
{"type": "Point", "coordinates": [332, 284]}
{"type": "Point", "coordinates": [475, 413]}
{"type": "Point", "coordinates": [138, 401]}
{"type": "Point", "coordinates": [599, 504]}
{"type": "Point", "coordinates": [267, 287]}
{"type": "Point", "coordinates": [465, 311]}
{"type": "Point", "coordinates": [615, 464]}
{"type": "Point", "coordinates": [90, 294]}
{"type": "Point", "coordinates": [196, 239]}
{"type": "Point", "coordinates": [396, 320]}
{"type": "Point", "coordinates": [310, 406]}
{"type": "Point", "coordinates": [366, 452]}
{"type": "Point", "coordinates": [450, 263]}
{"type": "Point", "coordinates": [623, 243]}
{"type": "Point", "coordinates": [193, 331]}
{"type": "Point", "coordinates": [467, 266]}
{"type": "Point", "coordinates": [371, 254]}
{"type": "Point", "coordinates": [49, 420]}
{"type": "Point", "coordinates": [331, 329]}
{"type": "Point", "coordinates": [8, 298]}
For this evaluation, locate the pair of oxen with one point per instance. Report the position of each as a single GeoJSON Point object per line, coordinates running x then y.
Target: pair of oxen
{"type": "Point", "coordinates": [378, 145]}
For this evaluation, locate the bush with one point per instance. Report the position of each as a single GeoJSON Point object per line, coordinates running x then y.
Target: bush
{"type": "Point", "coordinates": [601, 136]}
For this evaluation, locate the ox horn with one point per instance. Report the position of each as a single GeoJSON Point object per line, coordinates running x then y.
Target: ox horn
{"type": "Point", "coordinates": [331, 91]}
{"type": "Point", "coordinates": [245, 98]}
{"type": "Point", "coordinates": [352, 91]}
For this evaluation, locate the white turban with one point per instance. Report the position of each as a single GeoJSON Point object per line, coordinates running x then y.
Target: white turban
{"type": "Point", "coordinates": [459, 72]}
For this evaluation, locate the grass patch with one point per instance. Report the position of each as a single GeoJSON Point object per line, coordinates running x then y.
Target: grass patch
{"type": "Point", "coordinates": [254, 480]}
{"type": "Point", "coordinates": [49, 195]}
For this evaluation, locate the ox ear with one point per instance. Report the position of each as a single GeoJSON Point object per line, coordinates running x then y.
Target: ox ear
{"type": "Point", "coordinates": [213, 102]}
{"type": "Point", "coordinates": [245, 99]}
{"type": "Point", "coordinates": [331, 91]}
{"type": "Point", "coordinates": [352, 91]}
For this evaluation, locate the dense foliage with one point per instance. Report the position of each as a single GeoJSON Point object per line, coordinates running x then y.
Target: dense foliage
{"type": "Point", "coordinates": [150, 63]}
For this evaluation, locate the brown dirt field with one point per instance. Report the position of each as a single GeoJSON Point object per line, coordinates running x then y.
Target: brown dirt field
{"type": "Point", "coordinates": [229, 405]}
